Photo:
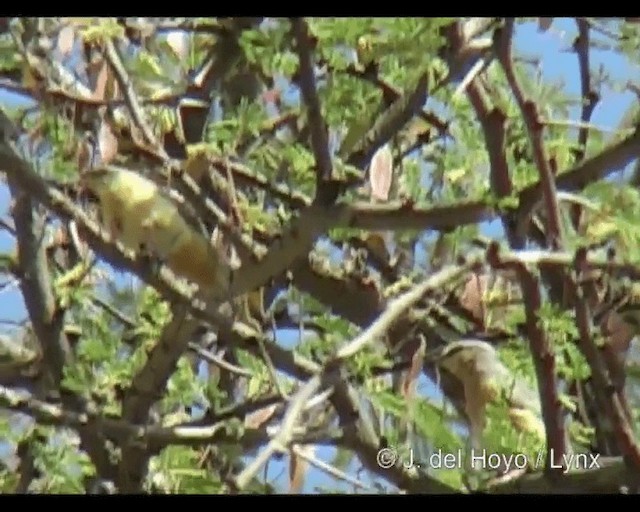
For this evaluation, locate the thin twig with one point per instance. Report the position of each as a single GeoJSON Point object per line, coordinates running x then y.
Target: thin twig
{"type": "Point", "coordinates": [582, 125]}
{"type": "Point", "coordinates": [246, 176]}
{"type": "Point", "coordinates": [402, 304]}
{"type": "Point", "coordinates": [125, 83]}
{"type": "Point", "coordinates": [598, 27]}
{"type": "Point", "coordinates": [115, 313]}
{"type": "Point", "coordinates": [7, 227]}
{"type": "Point", "coordinates": [212, 358]}
{"type": "Point", "coordinates": [544, 361]}
{"type": "Point", "coordinates": [608, 396]}
{"type": "Point", "coordinates": [221, 431]}
{"type": "Point", "coordinates": [46, 315]}
{"type": "Point", "coordinates": [389, 123]}
{"type": "Point", "coordinates": [392, 93]}
{"type": "Point", "coordinates": [476, 69]}
{"type": "Point", "coordinates": [589, 96]}
{"type": "Point", "coordinates": [329, 469]}
{"type": "Point", "coordinates": [281, 440]}
{"type": "Point", "coordinates": [307, 82]}
{"type": "Point", "coordinates": [208, 210]}
{"type": "Point", "coordinates": [273, 374]}
{"type": "Point", "coordinates": [494, 132]}
{"type": "Point", "coordinates": [599, 166]}
{"type": "Point", "coordinates": [27, 468]}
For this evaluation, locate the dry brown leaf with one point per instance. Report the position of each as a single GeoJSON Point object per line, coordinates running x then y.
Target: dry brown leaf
{"type": "Point", "coordinates": [472, 298]}
{"type": "Point", "coordinates": [411, 377]}
{"type": "Point", "coordinates": [66, 39]}
{"type": "Point", "coordinates": [258, 418]}
{"type": "Point", "coordinates": [489, 299]}
{"type": "Point", "coordinates": [97, 71]}
{"type": "Point", "coordinates": [381, 173]}
{"type": "Point", "coordinates": [105, 85]}
{"type": "Point", "coordinates": [298, 468]}
{"type": "Point", "coordinates": [60, 237]}
{"type": "Point", "coordinates": [619, 335]}
{"type": "Point", "coordinates": [107, 142]}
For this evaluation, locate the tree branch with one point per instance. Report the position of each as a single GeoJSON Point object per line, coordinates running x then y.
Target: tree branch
{"type": "Point", "coordinates": [307, 82]}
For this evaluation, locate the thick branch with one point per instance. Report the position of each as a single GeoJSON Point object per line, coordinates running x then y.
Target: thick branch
{"type": "Point", "coordinates": [544, 361]}
{"type": "Point", "coordinates": [319, 137]}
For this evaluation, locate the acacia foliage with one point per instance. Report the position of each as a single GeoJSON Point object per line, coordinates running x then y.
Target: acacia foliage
{"type": "Point", "coordinates": [349, 163]}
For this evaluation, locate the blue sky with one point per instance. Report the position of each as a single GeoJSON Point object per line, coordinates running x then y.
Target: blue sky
{"type": "Point", "coordinates": [557, 64]}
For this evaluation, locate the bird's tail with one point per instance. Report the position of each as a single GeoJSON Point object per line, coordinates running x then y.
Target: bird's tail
{"type": "Point", "coordinates": [197, 261]}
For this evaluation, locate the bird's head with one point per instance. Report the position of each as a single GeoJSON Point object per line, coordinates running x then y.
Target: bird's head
{"type": "Point", "coordinates": [466, 351]}
{"type": "Point", "coordinates": [95, 180]}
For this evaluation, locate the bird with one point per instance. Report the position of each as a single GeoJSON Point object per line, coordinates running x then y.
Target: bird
{"type": "Point", "coordinates": [485, 379]}
{"type": "Point", "coordinates": [139, 214]}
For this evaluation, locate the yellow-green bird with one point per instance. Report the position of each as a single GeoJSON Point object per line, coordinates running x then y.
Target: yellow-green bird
{"type": "Point", "coordinates": [136, 212]}
{"type": "Point", "coordinates": [486, 379]}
